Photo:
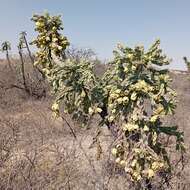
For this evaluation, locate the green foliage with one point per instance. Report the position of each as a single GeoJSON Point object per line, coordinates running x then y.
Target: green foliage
{"type": "Point", "coordinates": [74, 84]}
{"type": "Point", "coordinates": [132, 97]}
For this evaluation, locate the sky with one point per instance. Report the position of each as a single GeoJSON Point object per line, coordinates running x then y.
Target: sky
{"type": "Point", "coordinates": [101, 24]}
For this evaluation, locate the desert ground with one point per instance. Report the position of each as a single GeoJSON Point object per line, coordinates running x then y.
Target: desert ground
{"type": "Point", "coordinates": [38, 151]}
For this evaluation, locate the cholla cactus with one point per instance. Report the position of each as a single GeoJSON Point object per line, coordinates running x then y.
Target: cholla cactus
{"type": "Point", "coordinates": [49, 41]}
{"type": "Point", "coordinates": [132, 97]}
{"type": "Point", "coordinates": [139, 96]}
{"type": "Point", "coordinates": [74, 85]}
{"type": "Point", "coordinates": [71, 81]}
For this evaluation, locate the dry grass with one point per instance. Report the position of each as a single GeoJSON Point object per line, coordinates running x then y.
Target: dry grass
{"type": "Point", "coordinates": [39, 152]}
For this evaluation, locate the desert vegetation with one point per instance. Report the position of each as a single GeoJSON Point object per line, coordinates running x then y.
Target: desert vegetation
{"type": "Point", "coordinates": [69, 121]}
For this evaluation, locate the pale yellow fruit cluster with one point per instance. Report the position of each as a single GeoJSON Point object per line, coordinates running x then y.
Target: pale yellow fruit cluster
{"type": "Point", "coordinates": [143, 86]}
{"type": "Point", "coordinates": [94, 110]}
{"type": "Point", "coordinates": [117, 98]}
{"type": "Point", "coordinates": [118, 152]}
{"type": "Point", "coordinates": [55, 109]}
{"type": "Point", "coordinates": [130, 127]}
{"type": "Point", "coordinates": [134, 166]}
{"type": "Point", "coordinates": [49, 40]}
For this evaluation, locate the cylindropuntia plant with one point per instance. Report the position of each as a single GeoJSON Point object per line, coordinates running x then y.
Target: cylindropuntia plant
{"type": "Point", "coordinates": [131, 98]}
{"type": "Point", "coordinates": [138, 98]}
{"type": "Point", "coordinates": [49, 41]}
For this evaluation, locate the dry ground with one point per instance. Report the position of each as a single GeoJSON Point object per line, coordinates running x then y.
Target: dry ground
{"type": "Point", "coordinates": [39, 152]}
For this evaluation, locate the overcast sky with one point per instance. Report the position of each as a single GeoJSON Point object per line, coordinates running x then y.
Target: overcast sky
{"type": "Point", "coordinates": [101, 24]}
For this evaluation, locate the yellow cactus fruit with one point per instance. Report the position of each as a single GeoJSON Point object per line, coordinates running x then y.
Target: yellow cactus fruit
{"type": "Point", "coordinates": [136, 176]}
{"type": "Point", "coordinates": [154, 118]}
{"type": "Point", "coordinates": [113, 95]}
{"type": "Point", "coordinates": [118, 91]}
{"type": "Point", "coordinates": [133, 163]}
{"type": "Point", "coordinates": [134, 96]}
{"type": "Point", "coordinates": [54, 28]}
{"type": "Point", "coordinates": [90, 111]}
{"type": "Point", "coordinates": [146, 128]}
{"type": "Point", "coordinates": [55, 109]}
{"type": "Point", "coordinates": [120, 100]}
{"type": "Point", "coordinates": [54, 40]}
{"type": "Point", "coordinates": [110, 105]}
{"type": "Point", "coordinates": [66, 111]}
{"type": "Point", "coordinates": [46, 71]}
{"type": "Point", "coordinates": [126, 69]}
{"type": "Point", "coordinates": [113, 111]}
{"type": "Point", "coordinates": [125, 99]}
{"type": "Point", "coordinates": [151, 173]}
{"type": "Point", "coordinates": [60, 47]}
{"type": "Point", "coordinates": [130, 127]}
{"type": "Point", "coordinates": [159, 110]}
{"type": "Point", "coordinates": [122, 162]}
{"type": "Point", "coordinates": [55, 106]}
{"type": "Point", "coordinates": [133, 68]}
{"type": "Point", "coordinates": [139, 177]}
{"type": "Point", "coordinates": [38, 24]}
{"type": "Point", "coordinates": [111, 118]}
{"type": "Point", "coordinates": [161, 165]}
{"type": "Point", "coordinates": [137, 150]}
{"type": "Point", "coordinates": [114, 151]}
{"type": "Point", "coordinates": [157, 165]}
{"type": "Point", "coordinates": [47, 38]}
{"type": "Point", "coordinates": [83, 94]}
{"type": "Point", "coordinates": [118, 160]}
{"type": "Point", "coordinates": [36, 63]}
{"type": "Point", "coordinates": [98, 110]}
{"type": "Point", "coordinates": [154, 137]}
{"type": "Point", "coordinates": [55, 114]}
{"type": "Point", "coordinates": [134, 117]}
{"type": "Point", "coordinates": [129, 55]}
{"type": "Point", "coordinates": [128, 170]}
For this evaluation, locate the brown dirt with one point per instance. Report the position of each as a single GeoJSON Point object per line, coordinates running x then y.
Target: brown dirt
{"type": "Point", "coordinates": [40, 132]}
